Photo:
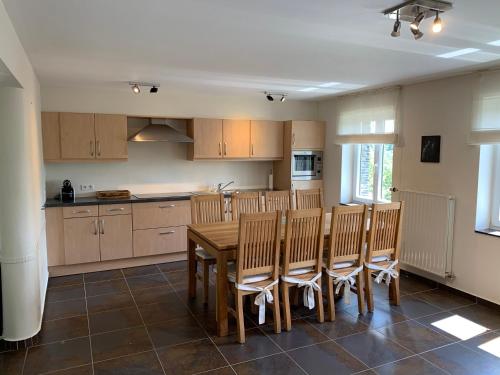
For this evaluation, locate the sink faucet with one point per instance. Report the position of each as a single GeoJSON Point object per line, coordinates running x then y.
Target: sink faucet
{"type": "Point", "coordinates": [220, 186]}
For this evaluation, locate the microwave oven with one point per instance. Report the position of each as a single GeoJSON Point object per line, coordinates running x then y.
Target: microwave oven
{"type": "Point", "coordinates": [307, 165]}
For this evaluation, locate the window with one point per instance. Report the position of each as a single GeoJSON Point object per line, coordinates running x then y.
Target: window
{"type": "Point", "coordinates": [372, 172]}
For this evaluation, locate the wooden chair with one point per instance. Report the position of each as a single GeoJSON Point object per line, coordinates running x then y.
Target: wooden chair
{"type": "Point", "coordinates": [309, 198]}
{"type": "Point", "coordinates": [345, 256]}
{"type": "Point", "coordinates": [257, 266]}
{"type": "Point", "coordinates": [206, 209]}
{"type": "Point", "coordinates": [278, 200]}
{"type": "Point", "coordinates": [245, 203]}
{"type": "Point", "coordinates": [383, 248]}
{"type": "Point", "coordinates": [302, 259]}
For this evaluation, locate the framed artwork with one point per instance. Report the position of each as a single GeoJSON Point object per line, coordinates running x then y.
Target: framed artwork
{"type": "Point", "coordinates": [431, 149]}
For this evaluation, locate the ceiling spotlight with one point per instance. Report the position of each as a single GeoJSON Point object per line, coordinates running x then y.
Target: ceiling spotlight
{"type": "Point", "coordinates": [397, 27]}
{"type": "Point", "coordinates": [269, 97]}
{"type": "Point", "coordinates": [437, 26]}
{"type": "Point", "coordinates": [417, 34]}
{"type": "Point", "coordinates": [416, 22]}
{"type": "Point", "coordinates": [153, 90]}
{"type": "Point", "coordinates": [135, 88]}
{"type": "Point", "coordinates": [283, 98]}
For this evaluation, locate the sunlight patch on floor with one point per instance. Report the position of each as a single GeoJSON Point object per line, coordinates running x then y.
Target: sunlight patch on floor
{"type": "Point", "coordinates": [492, 347]}
{"type": "Point", "coordinates": [460, 327]}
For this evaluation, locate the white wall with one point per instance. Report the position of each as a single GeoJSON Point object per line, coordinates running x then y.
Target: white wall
{"type": "Point", "coordinates": [22, 194]}
{"type": "Point", "coordinates": [441, 107]}
{"type": "Point", "coordinates": [163, 166]}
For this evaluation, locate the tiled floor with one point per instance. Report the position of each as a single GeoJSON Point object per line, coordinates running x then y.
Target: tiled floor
{"type": "Point", "coordinates": [140, 321]}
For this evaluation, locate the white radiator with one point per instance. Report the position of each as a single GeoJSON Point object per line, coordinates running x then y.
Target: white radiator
{"type": "Point", "coordinates": [427, 243]}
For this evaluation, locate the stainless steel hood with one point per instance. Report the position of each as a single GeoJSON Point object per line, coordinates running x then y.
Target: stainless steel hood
{"type": "Point", "coordinates": [158, 130]}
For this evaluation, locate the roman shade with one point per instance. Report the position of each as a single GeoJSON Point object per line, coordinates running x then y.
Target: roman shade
{"type": "Point", "coordinates": [486, 110]}
{"type": "Point", "coordinates": [368, 118]}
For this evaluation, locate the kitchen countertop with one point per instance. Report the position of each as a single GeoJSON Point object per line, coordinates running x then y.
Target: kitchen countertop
{"type": "Point", "coordinates": [160, 197]}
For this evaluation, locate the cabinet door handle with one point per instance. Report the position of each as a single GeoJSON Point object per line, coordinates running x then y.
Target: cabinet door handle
{"type": "Point", "coordinates": [225, 148]}
{"type": "Point", "coordinates": [81, 212]}
{"type": "Point", "coordinates": [115, 209]}
{"type": "Point", "coordinates": [98, 148]}
{"type": "Point", "coordinates": [166, 233]}
{"type": "Point", "coordinates": [252, 148]}
{"type": "Point", "coordinates": [95, 228]}
{"type": "Point", "coordinates": [169, 206]}
{"type": "Point", "coordinates": [220, 148]}
{"type": "Point", "coordinates": [102, 226]}
{"type": "Point", "coordinates": [91, 148]}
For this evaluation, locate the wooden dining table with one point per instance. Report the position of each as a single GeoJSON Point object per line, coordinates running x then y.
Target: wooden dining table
{"type": "Point", "coordinates": [220, 240]}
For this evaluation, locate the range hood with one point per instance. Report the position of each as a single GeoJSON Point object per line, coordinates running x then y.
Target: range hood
{"type": "Point", "coordinates": [158, 130]}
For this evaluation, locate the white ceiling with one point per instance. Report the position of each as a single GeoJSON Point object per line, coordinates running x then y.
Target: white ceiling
{"type": "Point", "coordinates": [245, 45]}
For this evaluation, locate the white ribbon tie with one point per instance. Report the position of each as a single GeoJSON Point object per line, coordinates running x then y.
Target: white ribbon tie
{"type": "Point", "coordinates": [387, 272]}
{"type": "Point", "coordinates": [309, 287]}
{"type": "Point", "coordinates": [261, 298]}
{"type": "Point", "coordinates": [344, 280]}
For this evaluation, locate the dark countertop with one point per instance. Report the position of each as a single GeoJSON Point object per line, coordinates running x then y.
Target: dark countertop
{"type": "Point", "coordinates": [165, 197]}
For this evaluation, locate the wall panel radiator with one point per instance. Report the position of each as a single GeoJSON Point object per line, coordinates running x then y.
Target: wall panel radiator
{"type": "Point", "coordinates": [427, 243]}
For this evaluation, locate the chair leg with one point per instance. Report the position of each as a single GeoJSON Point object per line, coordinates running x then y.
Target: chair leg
{"type": "Point", "coordinates": [319, 303]}
{"type": "Point", "coordinates": [276, 309]}
{"type": "Point", "coordinates": [331, 299]}
{"type": "Point", "coordinates": [240, 320]}
{"type": "Point", "coordinates": [206, 276]}
{"type": "Point", "coordinates": [285, 290]}
{"type": "Point", "coordinates": [360, 294]}
{"type": "Point", "coordinates": [253, 307]}
{"type": "Point", "coordinates": [394, 292]}
{"type": "Point", "coordinates": [368, 289]}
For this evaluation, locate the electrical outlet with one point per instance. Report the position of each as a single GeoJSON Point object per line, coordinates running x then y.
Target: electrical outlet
{"type": "Point", "coordinates": [87, 187]}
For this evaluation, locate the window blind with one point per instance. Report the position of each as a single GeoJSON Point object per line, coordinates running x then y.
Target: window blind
{"type": "Point", "coordinates": [485, 127]}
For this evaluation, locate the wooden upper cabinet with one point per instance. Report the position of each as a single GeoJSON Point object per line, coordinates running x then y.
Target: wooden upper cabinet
{"type": "Point", "coordinates": [308, 135]}
{"type": "Point", "coordinates": [266, 139]}
{"type": "Point", "coordinates": [77, 135]}
{"type": "Point", "coordinates": [207, 135]}
{"type": "Point", "coordinates": [236, 138]}
{"type": "Point", "coordinates": [51, 136]}
{"type": "Point", "coordinates": [111, 136]}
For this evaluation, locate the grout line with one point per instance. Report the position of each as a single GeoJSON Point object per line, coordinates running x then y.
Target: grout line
{"type": "Point", "coordinates": [88, 326]}
{"type": "Point", "coordinates": [435, 365]}
{"type": "Point", "coordinates": [25, 360]}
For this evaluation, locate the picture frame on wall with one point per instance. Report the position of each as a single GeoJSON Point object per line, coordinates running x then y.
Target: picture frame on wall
{"type": "Point", "coordinates": [430, 149]}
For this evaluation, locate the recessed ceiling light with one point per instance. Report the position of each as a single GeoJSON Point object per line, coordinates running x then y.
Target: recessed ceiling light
{"type": "Point", "coordinates": [329, 84]}
{"type": "Point", "coordinates": [495, 43]}
{"type": "Point", "coordinates": [457, 53]}
{"type": "Point", "coordinates": [309, 89]}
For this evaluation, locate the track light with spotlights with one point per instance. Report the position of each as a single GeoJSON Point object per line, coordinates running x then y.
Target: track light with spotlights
{"type": "Point", "coordinates": [283, 98]}
{"type": "Point", "coordinates": [153, 90]}
{"type": "Point", "coordinates": [416, 23]}
{"type": "Point", "coordinates": [136, 89]}
{"type": "Point", "coordinates": [397, 27]}
{"type": "Point", "coordinates": [417, 34]}
{"type": "Point", "coordinates": [437, 26]}
{"type": "Point", "coordinates": [270, 96]}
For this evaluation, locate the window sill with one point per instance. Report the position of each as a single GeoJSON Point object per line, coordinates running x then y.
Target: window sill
{"type": "Point", "coordinates": [489, 232]}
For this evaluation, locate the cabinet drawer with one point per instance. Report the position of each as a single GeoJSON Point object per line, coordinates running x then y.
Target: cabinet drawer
{"type": "Point", "coordinates": [161, 214]}
{"type": "Point", "coordinates": [80, 211]}
{"type": "Point", "coordinates": [115, 209]}
{"type": "Point", "coordinates": [160, 241]}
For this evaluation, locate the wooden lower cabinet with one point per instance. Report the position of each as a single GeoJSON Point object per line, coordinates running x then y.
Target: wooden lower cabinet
{"type": "Point", "coordinates": [115, 237]}
{"type": "Point", "coordinates": [160, 241]}
{"type": "Point", "coordinates": [161, 214]}
{"type": "Point", "coordinates": [81, 240]}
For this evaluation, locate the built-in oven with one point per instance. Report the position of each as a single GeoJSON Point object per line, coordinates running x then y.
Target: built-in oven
{"type": "Point", "coordinates": [307, 165]}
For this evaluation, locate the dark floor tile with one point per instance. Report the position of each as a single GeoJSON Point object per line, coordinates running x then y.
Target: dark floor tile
{"type": "Point", "coordinates": [191, 358]}
{"type": "Point", "coordinates": [65, 280]}
{"type": "Point", "coordinates": [434, 318]}
{"type": "Point", "coordinates": [410, 284]}
{"type": "Point", "coordinates": [414, 336]}
{"type": "Point", "coordinates": [154, 295]}
{"type": "Point", "coordinates": [408, 366]}
{"type": "Point", "coordinates": [65, 293]}
{"type": "Point", "coordinates": [178, 277]}
{"type": "Point", "coordinates": [159, 312]}
{"type": "Point", "coordinates": [257, 345]}
{"type": "Point", "coordinates": [413, 307]}
{"type": "Point", "coordinates": [109, 302]}
{"type": "Point", "coordinates": [175, 331]}
{"type": "Point", "coordinates": [278, 364]}
{"type": "Point", "coordinates": [322, 358]}
{"type": "Point", "coordinates": [106, 287]}
{"type": "Point", "coordinates": [380, 317]}
{"type": "Point", "coordinates": [444, 299]}
{"type": "Point", "coordinates": [489, 338]}
{"type": "Point", "coordinates": [103, 276]}
{"type": "Point", "coordinates": [138, 364]}
{"type": "Point", "coordinates": [146, 281]}
{"type": "Point", "coordinates": [119, 343]}
{"type": "Point", "coordinates": [12, 362]}
{"type": "Point", "coordinates": [220, 371]}
{"type": "Point", "coordinates": [459, 360]}
{"type": "Point", "coordinates": [114, 319]}
{"type": "Point", "coordinates": [301, 334]}
{"type": "Point", "coordinates": [480, 314]}
{"type": "Point", "coordinates": [173, 266]}
{"type": "Point", "coordinates": [208, 322]}
{"type": "Point", "coordinates": [141, 270]}
{"type": "Point", "coordinates": [57, 356]}
{"type": "Point", "coordinates": [196, 304]}
{"type": "Point", "coordinates": [64, 309]}
{"type": "Point", "coordinates": [345, 324]}
{"type": "Point", "coordinates": [62, 329]}
{"type": "Point", "coordinates": [373, 348]}
{"type": "Point", "coordinates": [81, 370]}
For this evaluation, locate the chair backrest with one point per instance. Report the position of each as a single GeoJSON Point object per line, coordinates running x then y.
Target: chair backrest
{"type": "Point", "coordinates": [309, 198]}
{"type": "Point", "coordinates": [278, 200]}
{"type": "Point", "coordinates": [304, 236]}
{"type": "Point", "coordinates": [384, 236]}
{"type": "Point", "coordinates": [207, 208]}
{"type": "Point", "coordinates": [347, 235]}
{"type": "Point", "coordinates": [245, 203]}
{"type": "Point", "coordinates": [259, 239]}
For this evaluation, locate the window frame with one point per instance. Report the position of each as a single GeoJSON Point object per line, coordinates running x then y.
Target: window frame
{"type": "Point", "coordinates": [495, 191]}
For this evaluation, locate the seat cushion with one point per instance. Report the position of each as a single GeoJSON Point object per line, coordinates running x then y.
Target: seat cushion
{"type": "Point", "coordinates": [203, 254]}
{"type": "Point", "coordinates": [231, 275]}
{"type": "Point", "coordinates": [341, 265]}
{"type": "Point", "coordinates": [298, 271]}
{"type": "Point", "coordinates": [380, 258]}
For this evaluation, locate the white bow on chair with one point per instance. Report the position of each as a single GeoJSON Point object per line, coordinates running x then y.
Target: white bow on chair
{"type": "Point", "coordinates": [261, 298]}
{"type": "Point", "coordinates": [346, 280]}
{"type": "Point", "coordinates": [309, 287]}
{"type": "Point", "coordinates": [387, 272]}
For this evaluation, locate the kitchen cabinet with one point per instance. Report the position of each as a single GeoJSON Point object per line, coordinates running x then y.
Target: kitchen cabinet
{"type": "Point", "coordinates": [207, 134]}
{"type": "Point", "coordinates": [308, 135]}
{"type": "Point", "coordinates": [266, 139]}
{"type": "Point", "coordinates": [236, 138]}
{"type": "Point", "coordinates": [81, 240]}
{"type": "Point", "coordinates": [111, 136]}
{"type": "Point", "coordinates": [51, 136]}
{"type": "Point", "coordinates": [54, 224]}
{"type": "Point", "coordinates": [160, 241]}
{"type": "Point", "coordinates": [161, 214]}
{"type": "Point", "coordinates": [77, 135]}
{"type": "Point", "coordinates": [115, 237]}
